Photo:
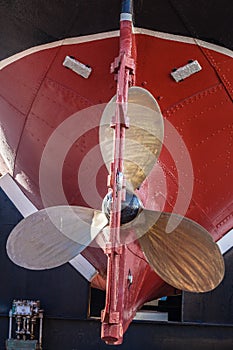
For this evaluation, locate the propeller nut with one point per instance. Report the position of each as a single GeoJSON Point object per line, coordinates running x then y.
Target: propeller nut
{"type": "Point", "coordinates": [130, 207]}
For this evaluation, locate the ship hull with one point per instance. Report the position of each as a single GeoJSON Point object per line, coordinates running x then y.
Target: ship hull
{"type": "Point", "coordinates": [42, 103]}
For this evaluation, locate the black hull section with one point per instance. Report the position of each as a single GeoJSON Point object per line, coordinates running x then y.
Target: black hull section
{"type": "Point", "coordinates": [215, 306]}
{"type": "Point", "coordinates": [24, 25]}
{"type": "Point", "coordinates": [63, 292]}
{"type": "Point", "coordinates": [64, 295]}
{"type": "Point", "coordinates": [63, 334]}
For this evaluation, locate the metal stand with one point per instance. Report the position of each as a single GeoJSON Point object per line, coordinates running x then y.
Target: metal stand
{"type": "Point", "coordinates": [26, 314]}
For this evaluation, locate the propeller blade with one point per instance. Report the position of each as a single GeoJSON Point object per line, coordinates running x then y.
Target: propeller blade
{"type": "Point", "coordinates": [53, 236]}
{"type": "Point", "coordinates": [143, 139]}
{"type": "Point", "coordinates": [186, 258]}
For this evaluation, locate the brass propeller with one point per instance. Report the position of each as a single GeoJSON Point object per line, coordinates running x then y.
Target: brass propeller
{"type": "Point", "coordinates": [53, 236]}
{"type": "Point", "coordinates": [186, 258]}
{"type": "Point", "coordinates": [143, 139]}
{"type": "Point", "coordinates": [179, 250]}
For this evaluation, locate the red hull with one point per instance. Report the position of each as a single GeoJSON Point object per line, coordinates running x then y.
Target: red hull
{"type": "Point", "coordinates": [37, 94]}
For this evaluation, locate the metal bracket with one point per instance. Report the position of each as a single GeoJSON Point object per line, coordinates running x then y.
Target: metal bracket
{"type": "Point", "coordinates": [186, 71]}
{"type": "Point", "coordinates": [77, 67]}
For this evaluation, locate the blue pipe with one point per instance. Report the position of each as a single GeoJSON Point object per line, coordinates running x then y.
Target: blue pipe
{"type": "Point", "coordinates": [127, 6]}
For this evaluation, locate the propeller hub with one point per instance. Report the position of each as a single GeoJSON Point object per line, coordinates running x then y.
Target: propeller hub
{"type": "Point", "coordinates": [129, 208]}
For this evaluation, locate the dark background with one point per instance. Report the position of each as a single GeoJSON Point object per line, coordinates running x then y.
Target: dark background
{"type": "Point", "coordinates": [26, 23]}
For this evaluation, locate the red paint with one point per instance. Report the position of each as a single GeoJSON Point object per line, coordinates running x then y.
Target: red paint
{"type": "Point", "coordinates": [37, 94]}
{"type": "Point", "coordinates": [112, 315]}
